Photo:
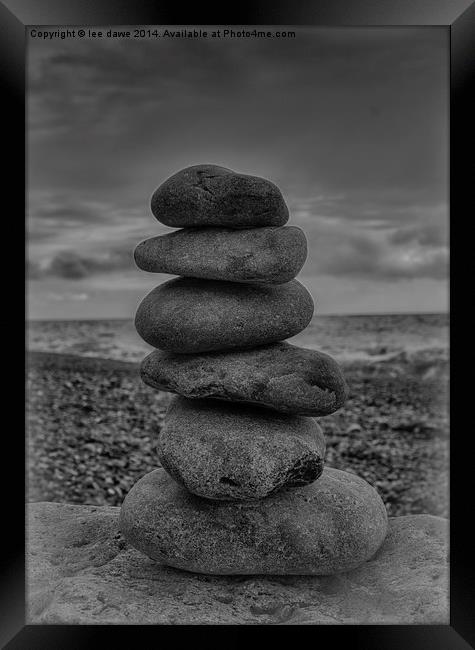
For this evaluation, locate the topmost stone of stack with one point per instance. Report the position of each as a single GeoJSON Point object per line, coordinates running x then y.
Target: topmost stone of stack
{"type": "Point", "coordinates": [208, 195]}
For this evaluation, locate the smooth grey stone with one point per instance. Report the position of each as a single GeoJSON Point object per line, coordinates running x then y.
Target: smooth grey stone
{"type": "Point", "coordinates": [189, 315]}
{"type": "Point", "coordinates": [80, 571]}
{"type": "Point", "coordinates": [220, 450]}
{"type": "Point", "coordinates": [332, 525]}
{"type": "Point", "coordinates": [267, 255]}
{"type": "Point", "coordinates": [209, 195]}
{"type": "Point", "coordinates": [280, 376]}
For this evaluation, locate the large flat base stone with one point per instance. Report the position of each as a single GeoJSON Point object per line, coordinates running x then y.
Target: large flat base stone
{"type": "Point", "coordinates": [81, 571]}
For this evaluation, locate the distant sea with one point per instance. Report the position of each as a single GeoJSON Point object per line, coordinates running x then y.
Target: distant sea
{"type": "Point", "coordinates": [347, 338]}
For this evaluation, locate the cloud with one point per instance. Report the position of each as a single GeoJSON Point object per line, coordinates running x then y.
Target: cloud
{"type": "Point", "coordinates": [51, 215]}
{"type": "Point", "coordinates": [33, 270]}
{"type": "Point", "coordinates": [359, 243]}
{"type": "Point", "coordinates": [337, 108]}
{"type": "Point", "coordinates": [339, 251]}
{"type": "Point", "coordinates": [334, 250]}
{"type": "Point", "coordinates": [432, 234]}
{"type": "Point", "coordinates": [88, 228]}
{"type": "Point", "coordinates": [70, 265]}
{"type": "Point", "coordinates": [67, 211]}
{"type": "Point", "coordinates": [61, 297]}
{"type": "Point", "coordinates": [350, 123]}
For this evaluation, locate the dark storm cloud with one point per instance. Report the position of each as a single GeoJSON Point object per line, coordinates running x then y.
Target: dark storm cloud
{"type": "Point", "coordinates": [350, 123]}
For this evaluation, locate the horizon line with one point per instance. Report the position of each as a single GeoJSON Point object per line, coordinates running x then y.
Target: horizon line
{"type": "Point", "coordinates": [125, 318]}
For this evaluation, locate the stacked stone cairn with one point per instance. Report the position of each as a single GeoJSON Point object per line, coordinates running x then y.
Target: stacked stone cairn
{"type": "Point", "coordinates": [242, 488]}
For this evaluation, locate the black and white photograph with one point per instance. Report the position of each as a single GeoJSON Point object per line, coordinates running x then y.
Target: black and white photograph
{"type": "Point", "coordinates": [237, 325]}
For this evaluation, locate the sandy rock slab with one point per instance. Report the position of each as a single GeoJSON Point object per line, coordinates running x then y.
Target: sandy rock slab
{"type": "Point", "coordinates": [80, 571]}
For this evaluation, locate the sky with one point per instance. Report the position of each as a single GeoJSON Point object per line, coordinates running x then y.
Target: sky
{"type": "Point", "coordinates": [350, 123]}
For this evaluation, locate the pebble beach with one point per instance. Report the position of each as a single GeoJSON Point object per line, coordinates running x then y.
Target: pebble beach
{"type": "Point", "coordinates": [92, 424]}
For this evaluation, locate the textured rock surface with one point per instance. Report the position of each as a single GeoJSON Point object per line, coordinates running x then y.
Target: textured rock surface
{"type": "Point", "coordinates": [268, 255]}
{"type": "Point", "coordinates": [332, 525]}
{"type": "Point", "coordinates": [81, 571]}
{"type": "Point", "coordinates": [208, 195]}
{"type": "Point", "coordinates": [280, 376]}
{"type": "Point", "coordinates": [189, 315]}
{"type": "Point", "coordinates": [220, 450]}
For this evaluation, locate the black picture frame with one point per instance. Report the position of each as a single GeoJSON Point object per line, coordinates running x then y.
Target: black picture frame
{"type": "Point", "coordinates": [458, 16]}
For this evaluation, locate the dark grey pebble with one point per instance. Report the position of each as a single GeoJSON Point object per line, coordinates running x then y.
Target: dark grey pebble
{"type": "Point", "coordinates": [190, 315]}
{"type": "Point", "coordinates": [332, 525]}
{"type": "Point", "coordinates": [209, 195]}
{"type": "Point", "coordinates": [267, 255]}
{"type": "Point", "coordinates": [220, 450]}
{"type": "Point", "coordinates": [280, 376]}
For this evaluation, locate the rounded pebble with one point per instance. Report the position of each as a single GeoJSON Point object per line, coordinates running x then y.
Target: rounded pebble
{"type": "Point", "coordinates": [188, 315]}
{"type": "Point", "coordinates": [209, 195]}
{"type": "Point", "coordinates": [220, 450]}
{"type": "Point", "coordinates": [332, 525]}
{"type": "Point", "coordinates": [266, 255]}
{"type": "Point", "coordinates": [280, 376]}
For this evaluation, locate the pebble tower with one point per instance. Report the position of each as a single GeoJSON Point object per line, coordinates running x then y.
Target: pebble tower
{"type": "Point", "coordinates": [242, 487]}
